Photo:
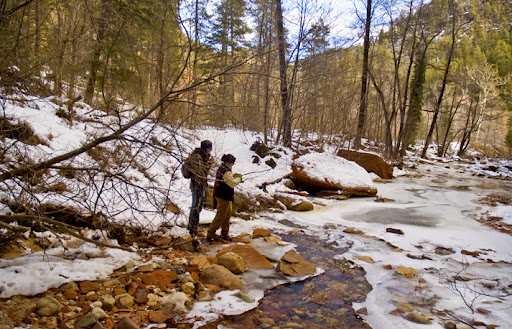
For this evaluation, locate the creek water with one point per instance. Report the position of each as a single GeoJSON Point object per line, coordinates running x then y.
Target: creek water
{"type": "Point", "coordinates": [323, 301]}
{"type": "Point", "coordinates": [436, 209]}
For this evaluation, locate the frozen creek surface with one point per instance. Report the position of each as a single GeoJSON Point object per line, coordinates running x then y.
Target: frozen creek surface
{"type": "Point", "coordinates": [461, 269]}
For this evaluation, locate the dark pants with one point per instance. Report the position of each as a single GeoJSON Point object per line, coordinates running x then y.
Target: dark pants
{"type": "Point", "coordinates": [198, 195]}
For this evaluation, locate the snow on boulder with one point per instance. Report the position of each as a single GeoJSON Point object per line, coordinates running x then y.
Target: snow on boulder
{"type": "Point", "coordinates": [323, 171]}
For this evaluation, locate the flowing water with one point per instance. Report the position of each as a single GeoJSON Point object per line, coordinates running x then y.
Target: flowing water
{"type": "Point", "coordinates": [436, 200]}
{"type": "Point", "coordinates": [324, 301]}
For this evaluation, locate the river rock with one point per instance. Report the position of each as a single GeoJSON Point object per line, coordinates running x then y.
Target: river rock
{"type": "Point", "coordinates": [127, 323]}
{"type": "Point", "coordinates": [233, 262]}
{"type": "Point", "coordinates": [152, 300]}
{"type": "Point", "coordinates": [404, 308]}
{"type": "Point", "coordinates": [100, 314]}
{"type": "Point", "coordinates": [201, 262]}
{"type": "Point", "coordinates": [69, 286]}
{"type": "Point", "coordinates": [370, 162]}
{"type": "Point", "coordinates": [367, 259]}
{"type": "Point", "coordinates": [86, 321]}
{"type": "Point", "coordinates": [253, 259]}
{"type": "Point", "coordinates": [87, 286]}
{"type": "Point", "coordinates": [146, 268]}
{"type": "Point", "coordinates": [107, 302]}
{"type": "Point", "coordinates": [124, 301]}
{"type": "Point", "coordinates": [48, 306]}
{"type": "Point", "coordinates": [408, 272]}
{"type": "Point", "coordinates": [294, 203]}
{"type": "Point", "coordinates": [188, 288]}
{"type": "Point", "coordinates": [260, 233]}
{"type": "Point", "coordinates": [174, 304]}
{"type": "Point", "coordinates": [222, 277]}
{"type": "Point", "coordinates": [244, 297]}
{"type": "Point", "coordinates": [292, 264]}
{"type": "Point", "coordinates": [161, 278]}
{"type": "Point", "coordinates": [184, 244]}
{"type": "Point", "coordinates": [204, 296]}
{"type": "Point", "coordinates": [417, 317]}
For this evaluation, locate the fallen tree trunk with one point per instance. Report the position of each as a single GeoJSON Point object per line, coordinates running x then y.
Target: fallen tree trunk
{"type": "Point", "coordinates": [21, 218]}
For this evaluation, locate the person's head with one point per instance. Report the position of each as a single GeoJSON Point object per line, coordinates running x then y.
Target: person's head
{"type": "Point", "coordinates": [206, 145]}
{"type": "Point", "coordinates": [228, 159]}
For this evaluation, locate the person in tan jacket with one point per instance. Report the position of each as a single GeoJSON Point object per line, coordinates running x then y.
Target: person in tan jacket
{"type": "Point", "coordinates": [224, 195]}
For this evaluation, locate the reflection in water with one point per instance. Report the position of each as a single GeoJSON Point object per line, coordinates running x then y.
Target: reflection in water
{"type": "Point", "coordinates": [410, 216]}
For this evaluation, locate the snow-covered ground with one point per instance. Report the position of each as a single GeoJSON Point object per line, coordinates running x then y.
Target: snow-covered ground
{"type": "Point", "coordinates": [435, 210]}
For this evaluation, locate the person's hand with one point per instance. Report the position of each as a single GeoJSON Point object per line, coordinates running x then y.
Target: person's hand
{"type": "Point", "coordinates": [240, 176]}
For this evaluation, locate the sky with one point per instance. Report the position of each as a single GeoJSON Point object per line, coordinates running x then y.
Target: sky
{"type": "Point", "coordinates": [433, 209]}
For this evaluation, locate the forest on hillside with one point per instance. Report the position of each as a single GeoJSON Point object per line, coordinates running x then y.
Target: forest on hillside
{"type": "Point", "coordinates": [436, 72]}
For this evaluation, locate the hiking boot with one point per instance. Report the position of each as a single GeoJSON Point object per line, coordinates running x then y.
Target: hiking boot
{"type": "Point", "coordinates": [196, 244]}
{"type": "Point", "coordinates": [212, 238]}
{"type": "Point", "coordinates": [226, 239]}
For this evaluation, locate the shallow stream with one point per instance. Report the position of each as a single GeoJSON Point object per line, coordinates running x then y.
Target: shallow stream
{"type": "Point", "coordinates": [324, 301]}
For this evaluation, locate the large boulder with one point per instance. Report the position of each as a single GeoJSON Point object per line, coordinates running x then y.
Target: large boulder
{"type": "Point", "coordinates": [293, 264]}
{"type": "Point", "coordinates": [323, 171]}
{"type": "Point", "coordinates": [371, 162]}
{"type": "Point", "coordinates": [253, 259]}
{"type": "Point", "coordinates": [222, 277]}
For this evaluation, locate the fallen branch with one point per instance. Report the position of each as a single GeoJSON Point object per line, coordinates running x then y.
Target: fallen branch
{"type": "Point", "coordinates": [63, 227]}
{"type": "Point", "coordinates": [264, 185]}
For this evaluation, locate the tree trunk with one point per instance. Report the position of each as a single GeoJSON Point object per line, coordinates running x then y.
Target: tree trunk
{"type": "Point", "coordinates": [95, 61]}
{"type": "Point", "coordinates": [286, 123]}
{"type": "Point", "coordinates": [364, 77]}
{"type": "Point", "coordinates": [443, 86]}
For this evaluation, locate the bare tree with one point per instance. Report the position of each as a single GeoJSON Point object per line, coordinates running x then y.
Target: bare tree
{"type": "Point", "coordinates": [364, 76]}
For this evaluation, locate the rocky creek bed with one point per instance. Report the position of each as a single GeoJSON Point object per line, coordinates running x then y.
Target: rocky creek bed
{"type": "Point", "coordinates": [135, 297]}
{"type": "Point", "coordinates": [324, 301]}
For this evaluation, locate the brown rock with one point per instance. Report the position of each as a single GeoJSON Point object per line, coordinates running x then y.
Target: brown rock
{"type": "Point", "coordinates": [124, 301]}
{"type": "Point", "coordinates": [158, 317]}
{"type": "Point", "coordinates": [127, 323]}
{"type": "Point", "coordinates": [222, 277]}
{"type": "Point", "coordinates": [408, 272]}
{"type": "Point", "coordinates": [233, 262]}
{"type": "Point", "coordinates": [292, 264]}
{"type": "Point", "coordinates": [253, 259]}
{"type": "Point", "coordinates": [326, 183]}
{"type": "Point", "coordinates": [212, 287]}
{"type": "Point", "coordinates": [367, 259]}
{"type": "Point", "coordinates": [159, 277]}
{"type": "Point", "coordinates": [259, 232]}
{"type": "Point", "coordinates": [450, 325]}
{"type": "Point", "coordinates": [352, 230]}
{"type": "Point", "coordinates": [87, 286]}
{"type": "Point", "coordinates": [201, 262]}
{"type": "Point", "coordinates": [86, 321]}
{"type": "Point", "coordinates": [404, 308]}
{"type": "Point", "coordinates": [69, 286]}
{"type": "Point", "coordinates": [183, 244]}
{"type": "Point", "coordinates": [174, 304]}
{"type": "Point", "coordinates": [394, 230]}
{"type": "Point", "coordinates": [370, 162]}
{"type": "Point", "coordinates": [163, 241]}
{"type": "Point", "coordinates": [70, 294]}
{"type": "Point", "coordinates": [294, 204]}
{"type": "Point", "coordinates": [417, 318]}
{"type": "Point", "coordinates": [47, 306]}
